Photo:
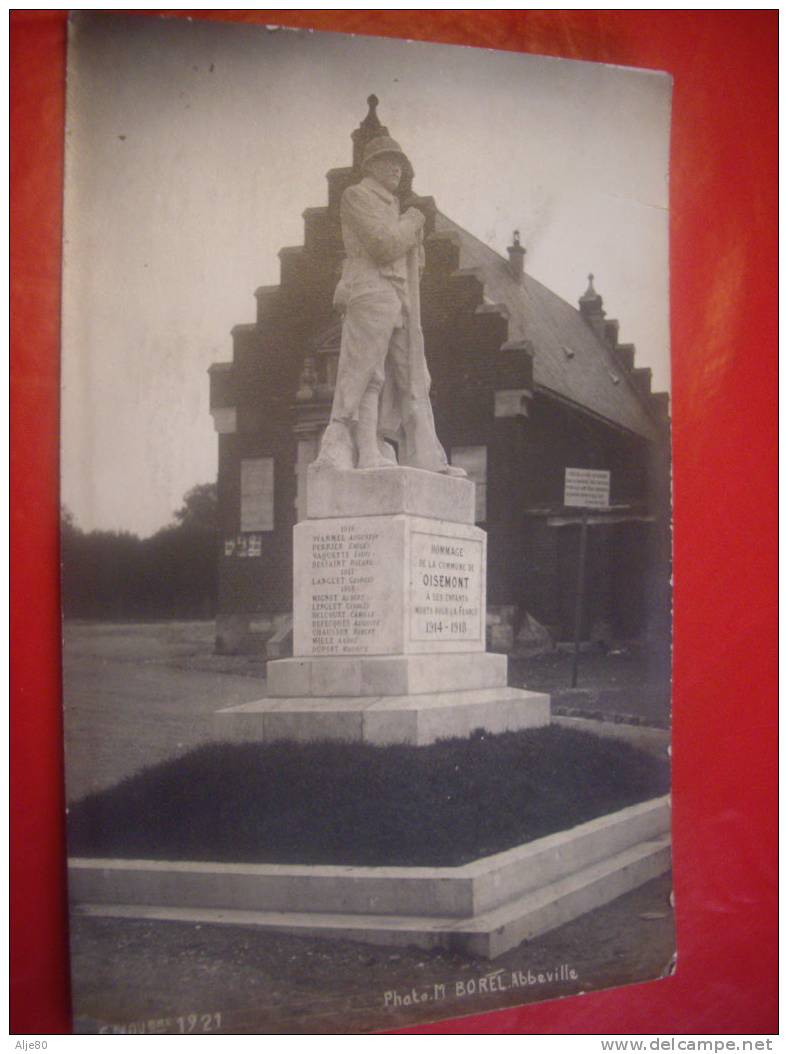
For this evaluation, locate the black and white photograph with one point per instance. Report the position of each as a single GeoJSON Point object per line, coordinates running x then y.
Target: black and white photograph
{"type": "Point", "coordinates": [365, 526]}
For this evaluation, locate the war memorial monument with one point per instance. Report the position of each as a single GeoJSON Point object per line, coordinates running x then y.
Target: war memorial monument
{"type": "Point", "coordinates": [389, 648]}
{"type": "Point", "coordinates": [390, 571]}
{"type": "Point", "coordinates": [389, 631]}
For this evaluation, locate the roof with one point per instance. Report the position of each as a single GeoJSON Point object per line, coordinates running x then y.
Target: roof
{"type": "Point", "coordinates": [569, 359]}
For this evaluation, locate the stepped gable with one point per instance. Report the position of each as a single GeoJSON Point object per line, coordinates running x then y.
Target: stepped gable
{"type": "Point", "coordinates": [577, 356]}
{"type": "Point", "coordinates": [570, 359]}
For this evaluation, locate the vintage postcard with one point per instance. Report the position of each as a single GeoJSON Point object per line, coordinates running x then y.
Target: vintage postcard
{"type": "Point", "coordinates": [366, 528]}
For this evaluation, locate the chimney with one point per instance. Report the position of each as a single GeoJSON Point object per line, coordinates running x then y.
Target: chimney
{"type": "Point", "coordinates": [516, 257]}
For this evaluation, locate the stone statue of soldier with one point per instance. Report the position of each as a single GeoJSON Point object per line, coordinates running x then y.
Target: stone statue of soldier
{"type": "Point", "coordinates": [382, 387]}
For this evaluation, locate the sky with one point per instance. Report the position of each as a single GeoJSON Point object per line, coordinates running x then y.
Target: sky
{"type": "Point", "coordinates": [192, 149]}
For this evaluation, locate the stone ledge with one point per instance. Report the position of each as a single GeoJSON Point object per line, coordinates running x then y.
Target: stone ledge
{"type": "Point", "coordinates": [387, 491]}
{"type": "Point", "coordinates": [469, 889]}
{"type": "Point", "coordinates": [498, 931]}
{"type": "Point", "coordinates": [382, 720]}
{"type": "Point", "coordinates": [654, 741]}
{"type": "Point", "coordinates": [589, 866]}
{"type": "Point", "coordinates": [385, 674]}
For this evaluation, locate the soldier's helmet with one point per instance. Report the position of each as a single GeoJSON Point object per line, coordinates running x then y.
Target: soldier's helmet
{"type": "Point", "coordinates": [383, 146]}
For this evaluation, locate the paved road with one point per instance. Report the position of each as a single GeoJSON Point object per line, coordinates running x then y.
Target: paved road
{"type": "Point", "coordinates": [137, 694]}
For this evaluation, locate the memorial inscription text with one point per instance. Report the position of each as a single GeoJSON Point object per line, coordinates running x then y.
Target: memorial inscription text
{"type": "Point", "coordinates": [380, 586]}
{"type": "Point", "coordinates": [344, 619]}
{"type": "Point", "coordinates": [445, 594]}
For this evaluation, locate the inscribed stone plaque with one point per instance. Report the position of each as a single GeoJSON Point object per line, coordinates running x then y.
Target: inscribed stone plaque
{"type": "Point", "coordinates": [388, 585]}
{"type": "Point", "coordinates": [445, 581]}
{"type": "Point", "coordinates": [348, 596]}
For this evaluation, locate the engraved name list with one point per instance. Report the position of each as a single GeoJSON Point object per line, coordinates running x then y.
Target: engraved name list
{"type": "Point", "coordinates": [344, 618]}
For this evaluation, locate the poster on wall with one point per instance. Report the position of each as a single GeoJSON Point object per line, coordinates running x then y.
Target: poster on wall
{"type": "Point", "coordinates": [367, 725]}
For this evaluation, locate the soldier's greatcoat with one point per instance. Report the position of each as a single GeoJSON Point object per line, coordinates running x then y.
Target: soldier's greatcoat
{"type": "Point", "coordinates": [381, 345]}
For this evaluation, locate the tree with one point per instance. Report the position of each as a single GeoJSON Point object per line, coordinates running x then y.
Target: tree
{"type": "Point", "coordinates": [114, 574]}
{"type": "Point", "coordinates": [199, 507]}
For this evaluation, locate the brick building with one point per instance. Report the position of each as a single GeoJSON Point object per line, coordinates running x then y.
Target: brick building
{"type": "Point", "coordinates": [524, 385]}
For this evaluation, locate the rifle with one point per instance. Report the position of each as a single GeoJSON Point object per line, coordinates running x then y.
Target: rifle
{"type": "Point", "coordinates": [422, 449]}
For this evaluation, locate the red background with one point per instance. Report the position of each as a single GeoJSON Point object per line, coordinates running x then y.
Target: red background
{"type": "Point", "coordinates": [724, 346]}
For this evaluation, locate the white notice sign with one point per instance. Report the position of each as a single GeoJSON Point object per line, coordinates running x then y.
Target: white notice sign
{"type": "Point", "coordinates": [588, 488]}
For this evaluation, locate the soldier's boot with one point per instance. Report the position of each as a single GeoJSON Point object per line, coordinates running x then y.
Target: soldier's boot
{"type": "Point", "coordinates": [371, 450]}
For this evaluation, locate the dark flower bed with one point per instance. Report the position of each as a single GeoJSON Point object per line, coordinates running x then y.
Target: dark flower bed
{"type": "Point", "coordinates": [349, 803]}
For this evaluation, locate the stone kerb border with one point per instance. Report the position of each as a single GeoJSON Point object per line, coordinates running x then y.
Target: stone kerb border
{"type": "Point", "coordinates": [486, 906]}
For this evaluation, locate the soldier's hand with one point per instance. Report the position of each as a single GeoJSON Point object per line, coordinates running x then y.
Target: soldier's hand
{"type": "Point", "coordinates": [427, 207]}
{"type": "Point", "coordinates": [417, 216]}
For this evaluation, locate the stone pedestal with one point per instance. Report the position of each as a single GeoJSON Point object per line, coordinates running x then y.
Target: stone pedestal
{"type": "Point", "coordinates": [388, 620]}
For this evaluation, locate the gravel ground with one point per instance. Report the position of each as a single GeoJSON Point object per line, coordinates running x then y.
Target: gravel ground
{"type": "Point", "coordinates": [136, 694]}
{"type": "Point", "coordinates": [151, 976]}
{"type": "Point", "coordinates": [627, 681]}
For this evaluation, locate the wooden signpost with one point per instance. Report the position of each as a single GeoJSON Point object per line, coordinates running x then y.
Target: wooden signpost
{"type": "Point", "coordinates": [585, 488]}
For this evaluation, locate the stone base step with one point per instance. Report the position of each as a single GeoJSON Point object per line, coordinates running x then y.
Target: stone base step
{"type": "Point", "coordinates": [460, 892]}
{"type": "Point", "coordinates": [382, 720]}
{"type": "Point", "coordinates": [488, 935]}
{"type": "Point", "coordinates": [385, 674]}
{"type": "Point", "coordinates": [497, 931]}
